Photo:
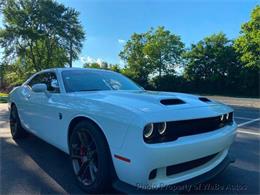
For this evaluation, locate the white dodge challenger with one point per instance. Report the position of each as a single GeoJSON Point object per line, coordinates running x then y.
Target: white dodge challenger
{"type": "Point", "coordinates": [118, 133]}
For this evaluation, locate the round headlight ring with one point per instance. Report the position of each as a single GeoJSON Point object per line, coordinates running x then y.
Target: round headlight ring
{"type": "Point", "coordinates": [162, 128]}
{"type": "Point", "coordinates": [148, 130]}
{"type": "Point", "coordinates": [227, 116]}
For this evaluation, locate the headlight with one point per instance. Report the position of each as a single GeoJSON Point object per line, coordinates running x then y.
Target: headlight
{"type": "Point", "coordinates": [227, 116]}
{"type": "Point", "coordinates": [148, 130]}
{"type": "Point", "coordinates": [161, 128]}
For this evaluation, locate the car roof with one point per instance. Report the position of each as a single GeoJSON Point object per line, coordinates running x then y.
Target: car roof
{"type": "Point", "coordinates": [75, 68]}
{"type": "Point", "coordinates": [67, 69]}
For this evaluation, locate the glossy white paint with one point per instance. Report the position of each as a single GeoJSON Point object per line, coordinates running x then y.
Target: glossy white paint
{"type": "Point", "coordinates": [122, 116]}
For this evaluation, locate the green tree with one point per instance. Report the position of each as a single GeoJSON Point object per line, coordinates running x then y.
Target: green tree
{"type": "Point", "coordinates": [248, 44]}
{"type": "Point", "coordinates": [103, 65]}
{"type": "Point", "coordinates": [114, 67]}
{"type": "Point", "coordinates": [155, 52]}
{"type": "Point", "coordinates": [248, 47]}
{"type": "Point", "coordinates": [163, 50]}
{"type": "Point", "coordinates": [92, 65]}
{"type": "Point", "coordinates": [43, 33]}
{"type": "Point", "coordinates": [138, 67]}
{"type": "Point", "coordinates": [212, 63]}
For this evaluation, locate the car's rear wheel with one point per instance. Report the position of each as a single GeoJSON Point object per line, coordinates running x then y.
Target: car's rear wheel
{"type": "Point", "coordinates": [16, 128]}
{"type": "Point", "coordinates": [90, 157]}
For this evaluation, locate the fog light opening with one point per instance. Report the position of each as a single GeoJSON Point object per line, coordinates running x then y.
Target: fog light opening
{"type": "Point", "coordinates": [153, 174]}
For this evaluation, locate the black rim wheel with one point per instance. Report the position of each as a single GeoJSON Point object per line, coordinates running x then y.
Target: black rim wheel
{"type": "Point", "coordinates": [84, 157]}
{"type": "Point", "coordinates": [14, 121]}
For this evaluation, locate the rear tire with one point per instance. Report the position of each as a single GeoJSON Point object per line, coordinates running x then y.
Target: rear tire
{"type": "Point", "coordinates": [17, 131]}
{"type": "Point", "coordinates": [90, 156]}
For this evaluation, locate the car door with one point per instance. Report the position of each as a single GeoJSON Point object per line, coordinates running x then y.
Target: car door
{"type": "Point", "coordinates": [42, 111]}
{"type": "Point", "coordinates": [25, 107]}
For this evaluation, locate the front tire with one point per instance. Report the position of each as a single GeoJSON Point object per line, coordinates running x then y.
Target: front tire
{"type": "Point", "coordinates": [17, 131]}
{"type": "Point", "coordinates": [90, 158]}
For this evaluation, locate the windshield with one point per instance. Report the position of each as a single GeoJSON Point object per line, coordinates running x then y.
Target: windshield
{"type": "Point", "coordinates": [95, 80]}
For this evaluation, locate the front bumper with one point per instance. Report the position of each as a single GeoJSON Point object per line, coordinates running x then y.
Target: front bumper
{"type": "Point", "coordinates": [147, 157]}
{"type": "Point", "coordinates": [175, 188]}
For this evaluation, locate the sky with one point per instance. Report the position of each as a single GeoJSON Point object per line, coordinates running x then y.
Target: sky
{"type": "Point", "coordinates": [110, 23]}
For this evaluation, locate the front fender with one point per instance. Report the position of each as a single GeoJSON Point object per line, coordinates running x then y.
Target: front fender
{"type": "Point", "coordinates": [114, 121]}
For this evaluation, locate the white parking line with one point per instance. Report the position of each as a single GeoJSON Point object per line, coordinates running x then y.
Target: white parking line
{"type": "Point", "coordinates": [247, 132]}
{"type": "Point", "coordinates": [248, 122]}
{"type": "Point", "coordinates": [244, 118]}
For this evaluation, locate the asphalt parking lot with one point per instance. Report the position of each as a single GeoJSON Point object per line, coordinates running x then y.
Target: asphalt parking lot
{"type": "Point", "coordinates": [31, 166]}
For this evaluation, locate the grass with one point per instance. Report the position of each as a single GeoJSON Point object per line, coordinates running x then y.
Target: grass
{"type": "Point", "coordinates": [3, 97]}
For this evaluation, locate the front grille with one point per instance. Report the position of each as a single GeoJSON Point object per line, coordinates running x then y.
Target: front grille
{"type": "Point", "coordinates": [176, 129]}
{"type": "Point", "coordinates": [174, 169]}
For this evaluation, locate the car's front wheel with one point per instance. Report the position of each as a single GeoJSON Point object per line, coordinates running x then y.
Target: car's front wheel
{"type": "Point", "coordinates": [16, 128]}
{"type": "Point", "coordinates": [90, 157]}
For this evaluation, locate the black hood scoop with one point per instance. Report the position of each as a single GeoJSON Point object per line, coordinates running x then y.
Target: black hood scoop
{"type": "Point", "coordinates": [169, 102]}
{"type": "Point", "coordinates": [204, 99]}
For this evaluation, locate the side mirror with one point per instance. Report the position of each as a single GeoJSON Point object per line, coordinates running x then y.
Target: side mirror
{"type": "Point", "coordinates": [41, 87]}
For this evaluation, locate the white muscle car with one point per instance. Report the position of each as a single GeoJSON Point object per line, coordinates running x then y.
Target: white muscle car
{"type": "Point", "coordinates": [118, 133]}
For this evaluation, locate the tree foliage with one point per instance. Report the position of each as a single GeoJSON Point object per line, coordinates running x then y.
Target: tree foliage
{"type": "Point", "coordinates": [212, 59]}
{"type": "Point", "coordinates": [138, 67]}
{"type": "Point", "coordinates": [248, 44]}
{"type": "Point", "coordinates": [40, 33]}
{"type": "Point", "coordinates": [103, 65]}
{"type": "Point", "coordinates": [163, 50]}
{"type": "Point", "coordinates": [154, 52]}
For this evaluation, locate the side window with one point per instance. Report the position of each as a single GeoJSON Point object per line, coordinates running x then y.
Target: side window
{"type": "Point", "coordinates": [46, 78]}
{"type": "Point", "coordinates": [35, 80]}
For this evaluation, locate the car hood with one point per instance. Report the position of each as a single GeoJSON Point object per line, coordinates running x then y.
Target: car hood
{"type": "Point", "coordinates": [146, 101]}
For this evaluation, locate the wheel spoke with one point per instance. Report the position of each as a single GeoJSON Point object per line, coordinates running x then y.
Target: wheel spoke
{"type": "Point", "coordinates": [84, 157]}
{"type": "Point", "coordinates": [74, 156]}
{"type": "Point", "coordinates": [91, 152]}
{"type": "Point", "coordinates": [94, 167]}
{"type": "Point", "coordinates": [92, 172]}
{"type": "Point", "coordinates": [83, 139]}
{"type": "Point", "coordinates": [86, 140]}
{"type": "Point", "coordinates": [75, 150]}
{"type": "Point", "coordinates": [82, 169]}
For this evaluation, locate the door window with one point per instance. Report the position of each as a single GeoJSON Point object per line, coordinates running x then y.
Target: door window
{"type": "Point", "coordinates": [46, 78]}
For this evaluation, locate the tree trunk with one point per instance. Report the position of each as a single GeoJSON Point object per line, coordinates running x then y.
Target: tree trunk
{"type": "Point", "coordinates": [160, 73]}
{"type": "Point", "coordinates": [70, 62]}
{"type": "Point", "coordinates": [37, 68]}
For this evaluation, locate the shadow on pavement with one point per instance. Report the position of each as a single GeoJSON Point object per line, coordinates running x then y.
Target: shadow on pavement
{"type": "Point", "coordinates": [19, 174]}
{"type": "Point", "coordinates": [53, 162]}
